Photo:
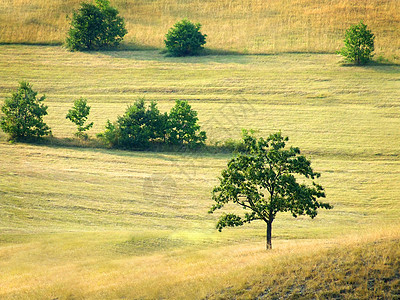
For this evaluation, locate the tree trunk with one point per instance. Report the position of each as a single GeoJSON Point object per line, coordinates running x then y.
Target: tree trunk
{"type": "Point", "coordinates": [269, 235]}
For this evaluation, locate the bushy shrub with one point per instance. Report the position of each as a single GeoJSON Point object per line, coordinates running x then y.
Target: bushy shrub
{"type": "Point", "coordinates": [183, 127]}
{"type": "Point", "coordinates": [184, 38]}
{"type": "Point", "coordinates": [137, 128]}
{"type": "Point", "coordinates": [94, 27]}
{"type": "Point", "coordinates": [140, 125]}
{"type": "Point", "coordinates": [359, 44]}
{"type": "Point", "coordinates": [111, 135]}
{"type": "Point", "coordinates": [78, 115]}
{"type": "Point", "coordinates": [143, 125]}
{"type": "Point", "coordinates": [23, 114]}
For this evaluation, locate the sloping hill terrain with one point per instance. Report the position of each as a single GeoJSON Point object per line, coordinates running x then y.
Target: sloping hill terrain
{"type": "Point", "coordinates": [366, 270]}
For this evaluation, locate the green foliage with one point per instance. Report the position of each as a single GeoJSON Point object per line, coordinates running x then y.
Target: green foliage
{"type": "Point", "coordinates": [139, 126]}
{"type": "Point", "coordinates": [359, 44]}
{"type": "Point", "coordinates": [95, 27]}
{"type": "Point", "coordinates": [263, 179]}
{"type": "Point", "coordinates": [23, 114]}
{"type": "Point", "coordinates": [111, 135]}
{"type": "Point", "coordinates": [182, 126]}
{"type": "Point", "coordinates": [78, 115]}
{"type": "Point", "coordinates": [184, 39]}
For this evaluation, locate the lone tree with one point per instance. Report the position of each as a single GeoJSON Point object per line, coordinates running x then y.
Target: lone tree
{"type": "Point", "coordinates": [359, 44]}
{"type": "Point", "coordinates": [94, 27]}
{"type": "Point", "coordinates": [78, 115]}
{"type": "Point", "coordinates": [184, 39]}
{"type": "Point", "coordinates": [263, 180]}
{"type": "Point", "coordinates": [23, 114]}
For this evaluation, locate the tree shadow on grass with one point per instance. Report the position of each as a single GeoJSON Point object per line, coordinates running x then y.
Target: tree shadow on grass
{"type": "Point", "coordinates": [206, 56]}
{"type": "Point", "coordinates": [154, 150]}
{"type": "Point", "coordinates": [385, 66]}
{"type": "Point", "coordinates": [137, 52]}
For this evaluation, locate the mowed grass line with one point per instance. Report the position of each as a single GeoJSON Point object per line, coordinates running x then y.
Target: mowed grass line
{"type": "Point", "coordinates": [86, 222]}
{"type": "Point", "coordinates": [312, 98]}
{"type": "Point", "coordinates": [249, 26]}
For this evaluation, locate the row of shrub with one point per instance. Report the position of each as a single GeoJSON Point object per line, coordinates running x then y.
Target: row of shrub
{"type": "Point", "coordinates": [141, 126]}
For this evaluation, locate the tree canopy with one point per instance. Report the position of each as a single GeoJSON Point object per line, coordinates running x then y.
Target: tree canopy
{"type": "Point", "coordinates": [23, 114]}
{"type": "Point", "coordinates": [182, 127]}
{"type": "Point", "coordinates": [358, 44]}
{"type": "Point", "coordinates": [95, 26]}
{"type": "Point", "coordinates": [184, 39]}
{"type": "Point", "coordinates": [263, 179]}
{"type": "Point", "coordinates": [78, 115]}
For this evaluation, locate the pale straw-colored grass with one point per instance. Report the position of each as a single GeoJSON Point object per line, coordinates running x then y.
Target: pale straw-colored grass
{"type": "Point", "coordinates": [250, 26]}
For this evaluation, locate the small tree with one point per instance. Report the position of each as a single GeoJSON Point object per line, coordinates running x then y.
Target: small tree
{"type": "Point", "coordinates": [78, 115]}
{"type": "Point", "coordinates": [359, 44]}
{"type": "Point", "coordinates": [182, 126]}
{"type": "Point", "coordinates": [94, 27]}
{"type": "Point", "coordinates": [263, 180]}
{"type": "Point", "coordinates": [23, 114]}
{"type": "Point", "coordinates": [185, 39]}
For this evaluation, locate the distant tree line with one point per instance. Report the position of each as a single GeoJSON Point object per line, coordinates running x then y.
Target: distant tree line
{"type": "Point", "coordinates": [139, 128]}
{"type": "Point", "coordinates": [99, 26]}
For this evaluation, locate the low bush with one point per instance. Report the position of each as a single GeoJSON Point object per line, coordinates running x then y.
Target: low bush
{"type": "Point", "coordinates": [137, 128]}
{"type": "Point", "coordinates": [184, 39]}
{"type": "Point", "coordinates": [182, 126]}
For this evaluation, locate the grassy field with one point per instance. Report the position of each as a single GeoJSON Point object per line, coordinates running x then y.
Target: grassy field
{"type": "Point", "coordinates": [79, 222]}
{"type": "Point", "coordinates": [247, 26]}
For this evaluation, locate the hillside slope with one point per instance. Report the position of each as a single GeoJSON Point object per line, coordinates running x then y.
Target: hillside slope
{"type": "Point", "coordinates": [248, 26]}
{"type": "Point", "coordinates": [369, 270]}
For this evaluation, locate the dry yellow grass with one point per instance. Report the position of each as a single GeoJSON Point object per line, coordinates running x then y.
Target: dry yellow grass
{"type": "Point", "coordinates": [250, 26]}
{"type": "Point", "coordinates": [367, 268]}
{"type": "Point", "coordinates": [89, 266]}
